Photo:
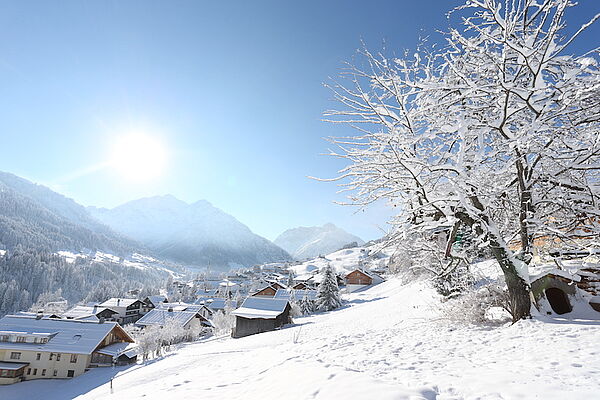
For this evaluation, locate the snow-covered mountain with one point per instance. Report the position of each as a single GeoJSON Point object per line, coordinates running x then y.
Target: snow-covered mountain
{"type": "Point", "coordinates": [33, 216]}
{"type": "Point", "coordinates": [308, 242]}
{"type": "Point", "coordinates": [198, 234]}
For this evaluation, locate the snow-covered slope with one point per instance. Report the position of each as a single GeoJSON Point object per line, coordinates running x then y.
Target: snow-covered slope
{"type": "Point", "coordinates": [198, 233]}
{"type": "Point", "coordinates": [389, 342]}
{"type": "Point", "coordinates": [308, 242]}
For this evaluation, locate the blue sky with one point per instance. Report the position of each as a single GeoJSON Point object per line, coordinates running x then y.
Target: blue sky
{"type": "Point", "coordinates": [234, 91]}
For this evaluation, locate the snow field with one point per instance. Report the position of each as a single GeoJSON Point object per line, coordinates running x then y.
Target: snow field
{"type": "Point", "coordinates": [388, 342]}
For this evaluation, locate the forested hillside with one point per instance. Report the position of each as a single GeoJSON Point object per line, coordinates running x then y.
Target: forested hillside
{"type": "Point", "coordinates": [25, 274]}
{"type": "Point", "coordinates": [34, 216]}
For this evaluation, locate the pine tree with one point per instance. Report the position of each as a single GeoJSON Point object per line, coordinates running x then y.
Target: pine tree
{"type": "Point", "coordinates": [328, 293]}
{"type": "Point", "coordinates": [307, 306]}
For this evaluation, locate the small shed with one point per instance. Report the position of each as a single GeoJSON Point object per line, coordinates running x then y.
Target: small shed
{"type": "Point", "coordinates": [257, 315]}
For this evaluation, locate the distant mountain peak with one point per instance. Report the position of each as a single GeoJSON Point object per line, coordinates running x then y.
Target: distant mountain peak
{"type": "Point", "coordinates": [197, 233]}
{"type": "Point", "coordinates": [309, 242]}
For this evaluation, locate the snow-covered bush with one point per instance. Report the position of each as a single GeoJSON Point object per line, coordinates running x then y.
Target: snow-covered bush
{"type": "Point", "coordinates": [296, 310]}
{"type": "Point", "coordinates": [474, 306]}
{"type": "Point", "coordinates": [328, 293]}
{"type": "Point", "coordinates": [223, 322]}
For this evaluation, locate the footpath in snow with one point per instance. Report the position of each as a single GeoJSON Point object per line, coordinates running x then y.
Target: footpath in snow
{"type": "Point", "coordinates": [389, 342]}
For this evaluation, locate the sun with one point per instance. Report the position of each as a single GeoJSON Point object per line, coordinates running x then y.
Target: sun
{"type": "Point", "coordinates": [138, 158]}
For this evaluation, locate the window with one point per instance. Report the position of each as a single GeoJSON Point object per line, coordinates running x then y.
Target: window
{"type": "Point", "coordinates": [4, 372]}
{"type": "Point", "coordinates": [57, 356]}
{"type": "Point", "coordinates": [70, 373]}
{"type": "Point", "coordinates": [38, 356]}
{"type": "Point", "coordinates": [44, 340]}
{"type": "Point", "coordinates": [4, 338]}
{"type": "Point", "coordinates": [28, 371]}
{"type": "Point", "coordinates": [44, 372]}
{"type": "Point", "coordinates": [73, 358]}
{"type": "Point", "coordinates": [21, 339]}
{"type": "Point", "coordinates": [55, 373]}
{"type": "Point", "coordinates": [51, 356]}
{"type": "Point", "coordinates": [15, 355]}
{"type": "Point", "coordinates": [35, 371]}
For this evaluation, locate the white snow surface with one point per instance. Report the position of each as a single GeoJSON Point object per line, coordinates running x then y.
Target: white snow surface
{"type": "Point", "coordinates": [388, 342]}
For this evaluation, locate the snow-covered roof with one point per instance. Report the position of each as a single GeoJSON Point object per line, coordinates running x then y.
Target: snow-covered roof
{"type": "Point", "coordinates": [116, 349]}
{"type": "Point", "coordinates": [260, 307]}
{"type": "Point", "coordinates": [218, 303]}
{"type": "Point", "coordinates": [180, 306]}
{"type": "Point", "coordinates": [296, 294]}
{"type": "Point", "coordinates": [162, 316]}
{"type": "Point", "coordinates": [79, 312]}
{"type": "Point", "coordinates": [155, 300]}
{"type": "Point", "coordinates": [118, 302]}
{"type": "Point", "coordinates": [11, 365]}
{"type": "Point", "coordinates": [65, 335]}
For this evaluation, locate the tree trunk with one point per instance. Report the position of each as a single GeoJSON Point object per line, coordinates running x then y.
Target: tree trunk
{"type": "Point", "coordinates": [519, 299]}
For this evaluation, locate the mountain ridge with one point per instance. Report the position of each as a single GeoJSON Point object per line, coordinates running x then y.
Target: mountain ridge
{"type": "Point", "coordinates": [308, 242]}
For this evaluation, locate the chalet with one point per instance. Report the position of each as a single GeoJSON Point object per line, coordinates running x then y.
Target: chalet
{"type": "Point", "coordinates": [301, 286]}
{"type": "Point", "coordinates": [360, 278]}
{"type": "Point", "coordinates": [92, 313]}
{"type": "Point", "coordinates": [37, 347]}
{"type": "Point", "coordinates": [268, 291]}
{"type": "Point", "coordinates": [257, 315]}
{"type": "Point", "coordinates": [155, 300]}
{"type": "Point", "coordinates": [128, 310]}
{"type": "Point", "coordinates": [184, 319]}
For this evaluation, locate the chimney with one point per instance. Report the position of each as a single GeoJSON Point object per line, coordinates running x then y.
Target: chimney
{"type": "Point", "coordinates": [95, 308]}
{"type": "Point", "coordinates": [101, 320]}
{"type": "Point", "coordinates": [170, 309]}
{"type": "Point", "coordinates": [39, 314]}
{"type": "Point", "coordinates": [118, 301]}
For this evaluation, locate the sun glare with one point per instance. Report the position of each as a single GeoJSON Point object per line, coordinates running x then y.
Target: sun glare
{"type": "Point", "coordinates": [138, 158]}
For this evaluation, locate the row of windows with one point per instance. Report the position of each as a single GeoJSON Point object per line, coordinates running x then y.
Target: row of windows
{"type": "Point", "coordinates": [15, 355]}
{"type": "Point", "coordinates": [23, 339]}
{"type": "Point", "coordinates": [70, 373]}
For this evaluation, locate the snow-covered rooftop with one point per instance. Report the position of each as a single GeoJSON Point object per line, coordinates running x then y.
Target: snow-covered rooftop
{"type": "Point", "coordinates": [118, 302]}
{"type": "Point", "coordinates": [296, 294]}
{"type": "Point", "coordinates": [11, 365]}
{"type": "Point", "coordinates": [79, 312]}
{"type": "Point", "coordinates": [260, 307]}
{"type": "Point", "coordinates": [67, 335]}
{"type": "Point", "coordinates": [162, 316]}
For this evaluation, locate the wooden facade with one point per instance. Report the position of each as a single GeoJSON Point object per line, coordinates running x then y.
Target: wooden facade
{"type": "Point", "coordinates": [252, 326]}
{"type": "Point", "coordinates": [358, 277]}
{"type": "Point", "coordinates": [269, 291]}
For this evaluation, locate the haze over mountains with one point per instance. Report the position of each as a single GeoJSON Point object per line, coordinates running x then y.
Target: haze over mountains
{"type": "Point", "coordinates": [308, 242]}
{"type": "Point", "coordinates": [34, 216]}
{"type": "Point", "coordinates": [197, 233]}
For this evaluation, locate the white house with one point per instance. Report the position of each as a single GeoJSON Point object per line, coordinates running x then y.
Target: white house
{"type": "Point", "coordinates": [128, 310]}
{"type": "Point", "coordinates": [33, 347]}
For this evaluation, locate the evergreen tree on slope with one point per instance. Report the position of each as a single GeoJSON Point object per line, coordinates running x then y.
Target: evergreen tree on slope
{"type": "Point", "coordinates": [328, 293]}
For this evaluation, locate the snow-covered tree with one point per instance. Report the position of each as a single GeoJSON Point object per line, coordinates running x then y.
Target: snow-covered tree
{"type": "Point", "coordinates": [328, 292]}
{"type": "Point", "coordinates": [307, 306]}
{"type": "Point", "coordinates": [223, 322]}
{"type": "Point", "coordinates": [495, 132]}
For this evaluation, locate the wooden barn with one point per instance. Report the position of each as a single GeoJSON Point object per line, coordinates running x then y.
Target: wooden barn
{"type": "Point", "coordinates": [359, 279]}
{"type": "Point", "coordinates": [257, 315]}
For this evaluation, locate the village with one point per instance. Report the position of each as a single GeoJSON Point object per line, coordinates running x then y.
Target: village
{"type": "Point", "coordinates": [133, 330]}
{"type": "Point", "coordinates": [122, 331]}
